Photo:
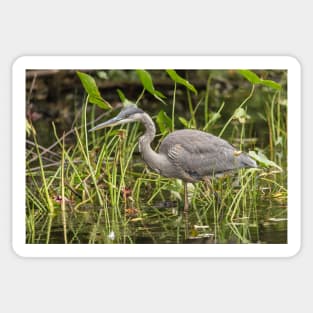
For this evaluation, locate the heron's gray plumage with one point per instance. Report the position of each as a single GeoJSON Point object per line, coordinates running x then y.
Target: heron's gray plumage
{"type": "Point", "coordinates": [190, 155]}
{"type": "Point", "coordinates": [196, 155]}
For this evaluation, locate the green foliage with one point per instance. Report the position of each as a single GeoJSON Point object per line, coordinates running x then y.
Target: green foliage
{"type": "Point", "coordinates": [250, 76]}
{"type": "Point", "coordinates": [92, 90]}
{"type": "Point", "coordinates": [164, 122]}
{"type": "Point", "coordinates": [179, 80]}
{"type": "Point", "coordinates": [241, 115]}
{"type": "Point", "coordinates": [255, 79]}
{"type": "Point", "coordinates": [123, 98]}
{"type": "Point", "coordinates": [121, 95]}
{"type": "Point", "coordinates": [263, 160]}
{"type": "Point", "coordinates": [214, 117]}
{"type": "Point", "coordinates": [184, 121]}
{"type": "Point", "coordinates": [29, 128]}
{"type": "Point", "coordinates": [146, 81]}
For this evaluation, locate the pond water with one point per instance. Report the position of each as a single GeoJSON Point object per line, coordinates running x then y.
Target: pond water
{"type": "Point", "coordinates": [161, 223]}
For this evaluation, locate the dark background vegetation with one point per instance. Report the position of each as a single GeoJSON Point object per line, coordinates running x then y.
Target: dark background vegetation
{"type": "Point", "coordinates": [57, 95]}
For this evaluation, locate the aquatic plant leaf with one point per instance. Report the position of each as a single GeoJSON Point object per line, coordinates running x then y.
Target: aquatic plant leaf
{"type": "Point", "coordinates": [123, 98]}
{"type": "Point", "coordinates": [179, 80]}
{"type": "Point", "coordinates": [255, 79]}
{"type": "Point", "coordinates": [184, 121]}
{"type": "Point", "coordinates": [100, 102]}
{"type": "Point", "coordinates": [121, 95]}
{"type": "Point", "coordinates": [270, 83]}
{"type": "Point", "coordinates": [263, 160]}
{"type": "Point", "coordinates": [92, 90]}
{"type": "Point", "coordinates": [164, 122]}
{"type": "Point", "coordinates": [146, 81]}
{"type": "Point", "coordinates": [250, 76]}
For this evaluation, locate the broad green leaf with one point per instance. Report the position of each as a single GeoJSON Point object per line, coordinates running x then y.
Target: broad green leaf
{"type": "Point", "coordinates": [147, 83]}
{"type": "Point", "coordinates": [250, 76]}
{"type": "Point", "coordinates": [263, 160]}
{"type": "Point", "coordinates": [92, 90]}
{"type": "Point", "coordinates": [121, 95]}
{"type": "Point", "coordinates": [270, 83]}
{"type": "Point", "coordinates": [101, 103]}
{"type": "Point", "coordinates": [179, 80]}
{"type": "Point", "coordinates": [254, 79]}
{"type": "Point", "coordinates": [123, 98]}
{"type": "Point", "coordinates": [164, 122]}
{"type": "Point", "coordinates": [146, 80]}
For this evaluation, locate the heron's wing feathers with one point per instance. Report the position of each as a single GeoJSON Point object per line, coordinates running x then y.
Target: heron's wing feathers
{"type": "Point", "coordinates": [199, 154]}
{"type": "Point", "coordinates": [199, 163]}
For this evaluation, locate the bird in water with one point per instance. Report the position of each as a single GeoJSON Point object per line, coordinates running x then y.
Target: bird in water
{"type": "Point", "coordinates": [187, 154]}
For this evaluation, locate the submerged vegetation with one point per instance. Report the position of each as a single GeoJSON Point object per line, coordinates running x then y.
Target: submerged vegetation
{"type": "Point", "coordinates": [87, 187]}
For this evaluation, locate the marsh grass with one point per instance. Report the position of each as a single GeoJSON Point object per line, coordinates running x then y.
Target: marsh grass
{"type": "Point", "coordinates": [95, 188]}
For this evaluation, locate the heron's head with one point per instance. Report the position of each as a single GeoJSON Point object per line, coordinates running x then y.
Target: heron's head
{"type": "Point", "coordinates": [129, 114]}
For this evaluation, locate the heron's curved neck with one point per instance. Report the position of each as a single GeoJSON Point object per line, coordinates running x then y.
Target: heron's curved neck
{"type": "Point", "coordinates": [150, 129]}
{"type": "Point", "coordinates": [152, 158]}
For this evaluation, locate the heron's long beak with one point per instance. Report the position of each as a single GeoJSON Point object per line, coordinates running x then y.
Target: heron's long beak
{"type": "Point", "coordinates": [112, 122]}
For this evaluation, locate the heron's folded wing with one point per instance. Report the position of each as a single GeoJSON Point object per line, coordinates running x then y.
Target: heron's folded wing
{"type": "Point", "coordinates": [201, 162]}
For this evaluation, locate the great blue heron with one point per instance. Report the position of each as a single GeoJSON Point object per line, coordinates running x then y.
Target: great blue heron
{"type": "Point", "coordinates": [190, 155]}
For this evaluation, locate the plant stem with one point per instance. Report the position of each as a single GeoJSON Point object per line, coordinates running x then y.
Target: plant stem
{"type": "Point", "coordinates": [44, 181]}
{"type": "Point", "coordinates": [63, 194]}
{"type": "Point", "coordinates": [192, 113]}
{"type": "Point", "coordinates": [240, 106]}
{"type": "Point", "coordinates": [173, 108]}
{"type": "Point", "coordinates": [206, 100]}
{"type": "Point", "coordinates": [140, 96]}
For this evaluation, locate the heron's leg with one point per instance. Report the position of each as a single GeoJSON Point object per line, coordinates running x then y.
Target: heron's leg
{"type": "Point", "coordinates": [217, 198]}
{"type": "Point", "coordinates": [210, 187]}
{"type": "Point", "coordinates": [186, 207]}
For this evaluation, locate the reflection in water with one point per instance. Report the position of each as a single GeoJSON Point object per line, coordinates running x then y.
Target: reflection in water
{"type": "Point", "coordinates": [159, 224]}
